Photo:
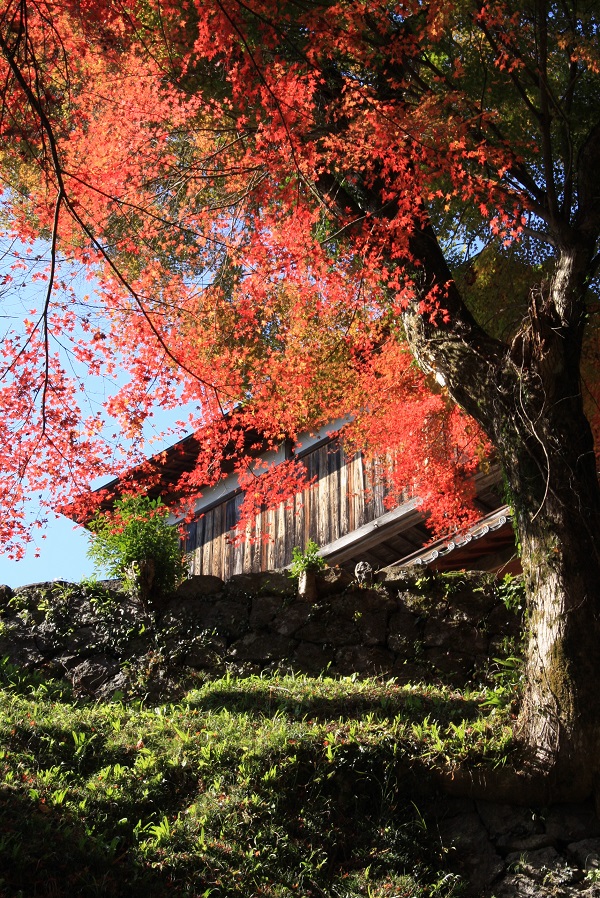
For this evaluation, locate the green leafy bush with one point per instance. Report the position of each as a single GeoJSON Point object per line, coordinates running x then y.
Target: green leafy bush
{"type": "Point", "coordinates": [309, 560]}
{"type": "Point", "coordinates": [135, 543]}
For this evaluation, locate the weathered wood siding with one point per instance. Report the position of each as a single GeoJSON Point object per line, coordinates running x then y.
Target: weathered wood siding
{"type": "Point", "coordinates": [347, 493]}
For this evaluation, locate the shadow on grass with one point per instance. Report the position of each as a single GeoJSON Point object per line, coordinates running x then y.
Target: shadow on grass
{"type": "Point", "coordinates": [48, 852]}
{"type": "Point", "coordinates": [53, 744]}
{"type": "Point", "coordinates": [54, 853]}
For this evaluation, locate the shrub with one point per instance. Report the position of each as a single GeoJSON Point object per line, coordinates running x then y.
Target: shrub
{"type": "Point", "coordinates": [310, 560]}
{"type": "Point", "coordinates": [135, 543]}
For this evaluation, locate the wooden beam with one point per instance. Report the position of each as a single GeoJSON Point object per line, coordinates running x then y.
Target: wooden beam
{"type": "Point", "coordinates": [401, 518]}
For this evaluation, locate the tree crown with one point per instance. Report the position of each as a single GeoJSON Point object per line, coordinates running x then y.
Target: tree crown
{"type": "Point", "coordinates": [266, 193]}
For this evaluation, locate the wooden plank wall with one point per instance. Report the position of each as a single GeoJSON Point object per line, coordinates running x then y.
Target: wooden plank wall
{"type": "Point", "coordinates": [347, 493]}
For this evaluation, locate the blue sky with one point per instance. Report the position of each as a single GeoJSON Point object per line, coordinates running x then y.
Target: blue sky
{"type": "Point", "coordinates": [62, 557]}
{"type": "Point", "coordinates": [63, 550]}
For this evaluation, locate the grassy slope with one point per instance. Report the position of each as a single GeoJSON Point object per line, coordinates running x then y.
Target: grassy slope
{"type": "Point", "coordinates": [276, 786]}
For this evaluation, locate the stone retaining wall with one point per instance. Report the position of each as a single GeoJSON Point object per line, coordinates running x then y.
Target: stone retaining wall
{"type": "Point", "coordinates": [411, 626]}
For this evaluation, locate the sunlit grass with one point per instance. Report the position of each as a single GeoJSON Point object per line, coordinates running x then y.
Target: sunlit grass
{"type": "Point", "coordinates": [271, 785]}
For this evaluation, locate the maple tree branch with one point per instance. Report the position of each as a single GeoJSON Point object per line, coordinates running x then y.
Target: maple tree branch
{"type": "Point", "coordinates": [517, 169]}
{"type": "Point", "coordinates": [159, 218]}
{"type": "Point", "coordinates": [140, 304]}
{"type": "Point", "coordinates": [279, 31]}
{"type": "Point", "coordinates": [567, 141]}
{"type": "Point", "coordinates": [512, 73]}
{"type": "Point", "coordinates": [544, 236]}
{"type": "Point", "coordinates": [588, 166]}
{"type": "Point", "coordinates": [545, 118]}
{"type": "Point", "coordinates": [62, 197]}
{"type": "Point", "coordinates": [452, 348]}
{"type": "Point", "coordinates": [36, 105]}
{"type": "Point", "coordinates": [262, 79]}
{"type": "Point", "coordinates": [46, 310]}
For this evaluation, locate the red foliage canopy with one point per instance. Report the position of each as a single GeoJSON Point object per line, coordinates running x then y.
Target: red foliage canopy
{"type": "Point", "coordinates": [244, 180]}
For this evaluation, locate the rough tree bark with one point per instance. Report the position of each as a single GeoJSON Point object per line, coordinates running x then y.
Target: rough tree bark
{"type": "Point", "coordinates": [527, 397]}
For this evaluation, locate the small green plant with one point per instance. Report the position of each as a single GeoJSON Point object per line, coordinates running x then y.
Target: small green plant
{"type": "Point", "coordinates": [309, 560]}
{"type": "Point", "coordinates": [518, 866]}
{"type": "Point", "coordinates": [136, 544]}
{"type": "Point", "coordinates": [512, 592]}
{"type": "Point", "coordinates": [508, 677]}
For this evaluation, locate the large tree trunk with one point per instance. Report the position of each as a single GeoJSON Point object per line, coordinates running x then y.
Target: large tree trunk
{"type": "Point", "coordinates": [546, 447]}
{"type": "Point", "coordinates": [527, 398]}
{"type": "Point", "coordinates": [556, 504]}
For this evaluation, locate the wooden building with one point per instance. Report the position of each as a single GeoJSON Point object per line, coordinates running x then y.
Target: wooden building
{"type": "Point", "coordinates": [343, 511]}
{"type": "Point", "coordinates": [347, 495]}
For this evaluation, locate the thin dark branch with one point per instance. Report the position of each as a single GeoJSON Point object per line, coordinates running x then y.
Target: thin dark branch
{"type": "Point", "coordinates": [126, 204]}
{"type": "Point", "coordinates": [63, 198]}
{"type": "Point", "coordinates": [545, 119]}
{"type": "Point", "coordinates": [139, 301]}
{"type": "Point", "coordinates": [45, 312]}
{"type": "Point", "coordinates": [567, 142]}
{"type": "Point", "coordinates": [512, 74]}
{"type": "Point", "coordinates": [544, 236]}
